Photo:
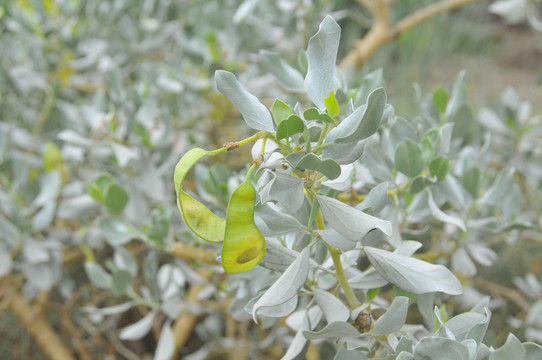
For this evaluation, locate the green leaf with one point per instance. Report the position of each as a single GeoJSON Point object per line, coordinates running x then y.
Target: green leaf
{"type": "Point", "coordinates": [254, 112]}
{"type": "Point", "coordinates": [330, 168]}
{"type": "Point", "coordinates": [292, 125]}
{"type": "Point", "coordinates": [428, 151]}
{"type": "Point", "coordinates": [372, 294]}
{"type": "Point", "coordinates": [281, 111]}
{"type": "Point", "coordinates": [121, 280]}
{"type": "Point", "coordinates": [439, 167]}
{"type": "Point", "coordinates": [409, 158]}
{"type": "Point", "coordinates": [322, 58]}
{"type": "Point", "coordinates": [472, 181]}
{"type": "Point", "coordinates": [440, 99]}
{"type": "Point", "coordinates": [332, 106]}
{"type": "Point", "coordinates": [314, 114]}
{"type": "Point", "coordinates": [116, 199]}
{"type": "Point", "coordinates": [95, 191]}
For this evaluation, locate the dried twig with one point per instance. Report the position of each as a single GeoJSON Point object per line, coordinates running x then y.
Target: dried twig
{"type": "Point", "coordinates": [190, 252]}
{"type": "Point", "coordinates": [382, 31]}
{"type": "Point", "coordinates": [37, 326]}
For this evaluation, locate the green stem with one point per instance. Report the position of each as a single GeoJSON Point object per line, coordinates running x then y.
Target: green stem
{"type": "Point", "coordinates": [336, 257]}
{"type": "Point", "coordinates": [323, 134]}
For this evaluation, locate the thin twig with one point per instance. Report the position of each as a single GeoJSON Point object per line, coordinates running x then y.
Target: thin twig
{"type": "Point", "coordinates": [38, 327]}
{"type": "Point", "coordinates": [190, 252]}
{"type": "Point", "coordinates": [381, 32]}
{"type": "Point", "coordinates": [510, 294]}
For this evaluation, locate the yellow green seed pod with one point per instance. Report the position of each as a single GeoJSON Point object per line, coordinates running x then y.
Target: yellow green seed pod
{"type": "Point", "coordinates": [202, 221]}
{"type": "Point", "coordinates": [244, 244]}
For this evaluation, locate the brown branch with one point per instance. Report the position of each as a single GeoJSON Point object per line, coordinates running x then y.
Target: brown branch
{"type": "Point", "coordinates": [38, 327]}
{"type": "Point", "coordinates": [190, 252]}
{"type": "Point", "coordinates": [510, 294]}
{"type": "Point", "coordinates": [381, 32]}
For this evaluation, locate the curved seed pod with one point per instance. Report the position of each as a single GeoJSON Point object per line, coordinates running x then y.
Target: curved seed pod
{"type": "Point", "coordinates": [202, 221]}
{"type": "Point", "coordinates": [244, 244]}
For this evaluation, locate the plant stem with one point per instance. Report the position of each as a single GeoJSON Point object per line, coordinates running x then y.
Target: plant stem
{"type": "Point", "coordinates": [339, 271]}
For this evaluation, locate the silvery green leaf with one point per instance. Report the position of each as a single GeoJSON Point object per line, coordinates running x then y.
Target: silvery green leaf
{"type": "Point", "coordinates": [344, 354]}
{"type": "Point", "coordinates": [286, 287]}
{"type": "Point", "coordinates": [350, 222]}
{"type": "Point", "coordinates": [44, 217]}
{"type": "Point", "coordinates": [370, 82]}
{"type": "Point", "coordinates": [462, 263]}
{"type": "Point", "coordinates": [166, 344]}
{"type": "Point", "coordinates": [278, 257]}
{"type": "Point", "coordinates": [35, 251]}
{"type": "Point", "coordinates": [500, 188]}
{"type": "Point", "coordinates": [444, 138]}
{"type": "Point", "coordinates": [534, 316]}
{"type": "Point", "coordinates": [512, 349]}
{"type": "Point", "coordinates": [290, 78]}
{"type": "Point", "coordinates": [344, 153]}
{"type": "Point", "coordinates": [532, 351]}
{"type": "Point", "coordinates": [98, 276]}
{"type": "Point", "coordinates": [294, 158]}
{"type": "Point", "coordinates": [344, 181]}
{"type": "Point", "coordinates": [355, 128]}
{"type": "Point", "coordinates": [278, 222]}
{"type": "Point", "coordinates": [321, 58]}
{"type": "Point", "coordinates": [440, 348]}
{"type": "Point", "coordinates": [393, 319]}
{"type": "Point", "coordinates": [409, 158]}
{"type": "Point", "coordinates": [304, 320]}
{"type": "Point", "coordinates": [115, 231]}
{"type": "Point", "coordinates": [482, 254]}
{"type": "Point", "coordinates": [408, 247]}
{"type": "Point", "coordinates": [254, 112]}
{"type": "Point", "coordinates": [6, 263]}
{"type": "Point", "coordinates": [458, 96]}
{"type": "Point", "coordinates": [124, 260]}
{"type": "Point", "coordinates": [138, 329]}
{"type": "Point", "coordinates": [369, 279]}
{"type": "Point", "coordinates": [413, 275]}
{"type": "Point", "coordinates": [404, 344]}
{"type": "Point", "coordinates": [403, 355]}
{"type": "Point", "coordinates": [333, 308]}
{"type": "Point", "coordinates": [336, 240]}
{"type": "Point", "coordinates": [51, 183]}
{"type": "Point", "coordinates": [288, 190]}
{"type": "Point", "coordinates": [401, 129]}
{"type": "Point", "coordinates": [296, 346]}
{"type": "Point", "coordinates": [462, 324]}
{"type": "Point", "coordinates": [376, 199]}
{"type": "Point", "coordinates": [337, 329]}
{"type": "Point", "coordinates": [441, 215]}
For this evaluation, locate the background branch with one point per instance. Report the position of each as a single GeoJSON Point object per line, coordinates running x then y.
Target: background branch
{"type": "Point", "coordinates": [382, 32]}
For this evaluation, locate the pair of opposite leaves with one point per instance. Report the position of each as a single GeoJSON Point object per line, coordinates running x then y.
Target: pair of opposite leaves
{"type": "Point", "coordinates": [244, 245]}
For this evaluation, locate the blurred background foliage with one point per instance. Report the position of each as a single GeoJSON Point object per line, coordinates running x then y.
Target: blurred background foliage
{"type": "Point", "coordinates": [98, 100]}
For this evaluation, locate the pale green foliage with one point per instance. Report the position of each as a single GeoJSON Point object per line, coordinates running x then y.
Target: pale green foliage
{"type": "Point", "coordinates": [91, 130]}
